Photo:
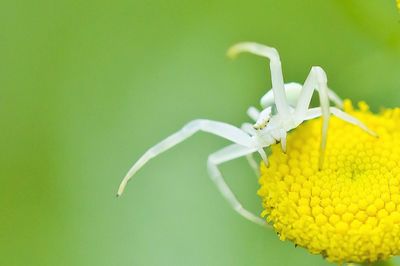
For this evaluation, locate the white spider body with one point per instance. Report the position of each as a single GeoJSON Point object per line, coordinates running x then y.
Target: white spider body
{"type": "Point", "coordinates": [263, 118]}
{"type": "Point", "coordinates": [269, 129]}
{"type": "Point", "coordinates": [261, 140]}
{"type": "Point", "coordinates": [292, 90]}
{"type": "Point", "coordinates": [281, 125]}
{"type": "Point", "coordinates": [285, 107]}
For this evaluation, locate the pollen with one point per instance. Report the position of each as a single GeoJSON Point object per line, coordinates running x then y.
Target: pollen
{"type": "Point", "coordinates": [348, 211]}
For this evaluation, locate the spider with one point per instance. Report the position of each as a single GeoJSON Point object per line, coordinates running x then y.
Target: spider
{"type": "Point", "coordinates": [284, 107]}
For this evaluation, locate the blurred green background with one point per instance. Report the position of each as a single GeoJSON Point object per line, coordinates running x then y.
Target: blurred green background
{"type": "Point", "coordinates": [87, 86]}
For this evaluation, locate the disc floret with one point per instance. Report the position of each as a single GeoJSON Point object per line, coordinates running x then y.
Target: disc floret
{"type": "Point", "coordinates": [349, 211]}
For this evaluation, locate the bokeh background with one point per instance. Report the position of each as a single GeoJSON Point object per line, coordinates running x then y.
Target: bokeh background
{"type": "Point", "coordinates": [87, 86]}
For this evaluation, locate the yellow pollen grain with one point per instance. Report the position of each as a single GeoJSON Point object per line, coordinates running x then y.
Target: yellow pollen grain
{"type": "Point", "coordinates": [349, 211]}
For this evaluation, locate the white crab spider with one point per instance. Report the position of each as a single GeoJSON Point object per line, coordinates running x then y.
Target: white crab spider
{"type": "Point", "coordinates": [291, 101]}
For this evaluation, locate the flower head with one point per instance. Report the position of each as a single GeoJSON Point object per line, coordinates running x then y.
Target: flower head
{"type": "Point", "coordinates": [349, 211]}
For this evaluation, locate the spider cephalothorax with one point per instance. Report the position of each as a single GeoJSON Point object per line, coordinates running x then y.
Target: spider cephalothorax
{"type": "Point", "coordinates": [263, 118]}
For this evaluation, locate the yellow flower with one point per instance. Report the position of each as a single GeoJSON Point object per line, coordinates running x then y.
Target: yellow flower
{"type": "Point", "coordinates": [350, 210]}
{"type": "Point", "coordinates": [398, 4]}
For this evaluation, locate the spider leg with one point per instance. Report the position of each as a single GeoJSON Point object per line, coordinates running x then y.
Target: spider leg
{"type": "Point", "coordinates": [283, 139]}
{"type": "Point", "coordinates": [335, 98]}
{"type": "Point", "coordinates": [293, 91]}
{"type": "Point", "coordinates": [352, 120]}
{"type": "Point", "coordinates": [248, 128]}
{"type": "Point", "coordinates": [224, 155]}
{"type": "Point", "coordinates": [316, 112]}
{"type": "Point", "coordinates": [253, 113]}
{"type": "Point", "coordinates": [316, 80]}
{"type": "Point", "coordinates": [312, 113]}
{"type": "Point", "coordinates": [276, 70]}
{"type": "Point", "coordinates": [253, 164]}
{"type": "Point", "coordinates": [223, 130]}
{"type": "Point", "coordinates": [263, 156]}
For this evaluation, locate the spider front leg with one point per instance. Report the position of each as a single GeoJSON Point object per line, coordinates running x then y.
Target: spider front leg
{"type": "Point", "coordinates": [315, 80]}
{"type": "Point", "coordinates": [276, 71]}
{"type": "Point", "coordinates": [316, 112]}
{"type": "Point", "coordinates": [248, 128]}
{"type": "Point", "coordinates": [223, 130]}
{"type": "Point", "coordinates": [283, 137]}
{"type": "Point", "coordinates": [253, 113]}
{"type": "Point", "coordinates": [293, 92]}
{"type": "Point", "coordinates": [224, 155]}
